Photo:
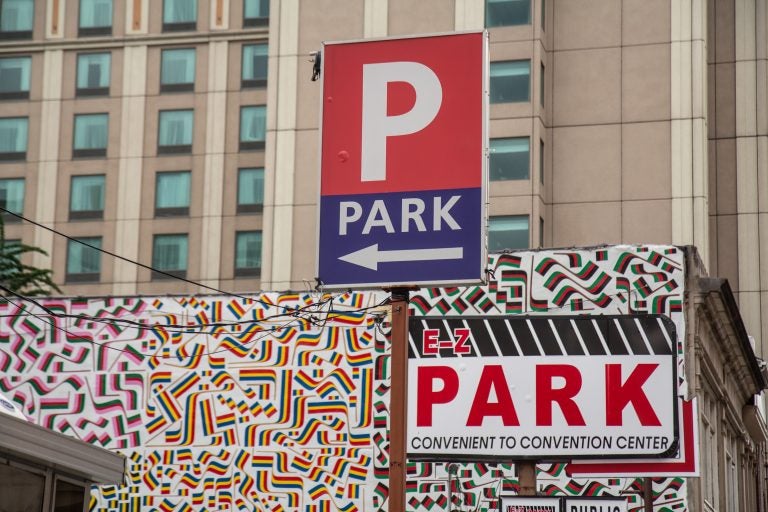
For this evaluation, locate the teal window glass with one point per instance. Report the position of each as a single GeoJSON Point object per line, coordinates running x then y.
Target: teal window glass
{"type": "Point", "coordinates": [500, 13]}
{"type": "Point", "coordinates": [179, 15]}
{"type": "Point", "coordinates": [83, 262]}
{"type": "Point", "coordinates": [13, 138]}
{"type": "Point", "coordinates": [16, 19]}
{"type": "Point", "coordinates": [172, 193]}
{"type": "Point", "coordinates": [510, 159]}
{"type": "Point", "coordinates": [93, 73]}
{"type": "Point", "coordinates": [507, 232]}
{"type": "Point", "coordinates": [250, 190]}
{"type": "Point", "coordinates": [95, 17]}
{"type": "Point", "coordinates": [510, 81]}
{"type": "Point", "coordinates": [12, 195]}
{"type": "Point", "coordinates": [14, 77]}
{"type": "Point", "coordinates": [91, 135]}
{"type": "Point", "coordinates": [177, 69]}
{"type": "Point", "coordinates": [255, 13]}
{"type": "Point", "coordinates": [254, 65]}
{"type": "Point", "coordinates": [541, 161]}
{"type": "Point", "coordinates": [169, 254]}
{"type": "Point", "coordinates": [541, 232]}
{"type": "Point", "coordinates": [86, 199]}
{"type": "Point", "coordinates": [175, 131]}
{"type": "Point", "coordinates": [248, 253]}
{"type": "Point", "coordinates": [253, 121]}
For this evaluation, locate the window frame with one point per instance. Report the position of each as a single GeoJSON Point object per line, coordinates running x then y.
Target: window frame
{"type": "Point", "coordinates": [248, 271]}
{"type": "Point", "coordinates": [92, 91]}
{"type": "Point", "coordinates": [21, 94]}
{"type": "Point", "coordinates": [497, 64]}
{"type": "Point", "coordinates": [248, 207]}
{"type": "Point", "coordinates": [529, 20]}
{"type": "Point", "coordinates": [515, 217]}
{"type": "Point", "coordinates": [87, 214]}
{"type": "Point", "coordinates": [14, 156]}
{"type": "Point", "coordinates": [7, 217]}
{"type": "Point", "coordinates": [252, 83]}
{"type": "Point", "coordinates": [166, 274]}
{"type": "Point", "coordinates": [175, 149]}
{"type": "Point", "coordinates": [88, 152]}
{"type": "Point", "coordinates": [83, 277]}
{"type": "Point", "coordinates": [17, 34]}
{"type": "Point", "coordinates": [182, 26]}
{"type": "Point", "coordinates": [259, 21]}
{"type": "Point", "coordinates": [174, 211]}
{"type": "Point", "coordinates": [105, 30]}
{"type": "Point", "coordinates": [178, 86]}
{"type": "Point", "coordinates": [494, 150]}
{"type": "Point", "coordinates": [252, 145]}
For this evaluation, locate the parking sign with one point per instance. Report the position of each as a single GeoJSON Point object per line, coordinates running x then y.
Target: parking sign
{"type": "Point", "coordinates": [403, 161]}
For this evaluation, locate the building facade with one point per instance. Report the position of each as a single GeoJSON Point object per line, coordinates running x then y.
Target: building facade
{"type": "Point", "coordinates": [184, 133]}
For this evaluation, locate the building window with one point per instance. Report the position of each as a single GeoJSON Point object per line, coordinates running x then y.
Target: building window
{"type": "Point", "coordinates": [510, 81]}
{"type": "Point", "coordinates": [541, 161]}
{"type": "Point", "coordinates": [13, 138]}
{"type": "Point", "coordinates": [91, 135]}
{"type": "Point", "coordinates": [500, 13]}
{"type": "Point", "coordinates": [169, 255]}
{"type": "Point", "coordinates": [14, 77]}
{"type": "Point", "coordinates": [95, 18]}
{"type": "Point", "coordinates": [541, 232]}
{"type": "Point", "coordinates": [177, 70]}
{"type": "Point", "coordinates": [255, 13]}
{"type": "Point", "coordinates": [12, 198]}
{"type": "Point", "coordinates": [175, 132]}
{"type": "Point", "coordinates": [254, 65]}
{"type": "Point", "coordinates": [247, 253]}
{"type": "Point", "coordinates": [93, 72]}
{"type": "Point", "coordinates": [507, 232]}
{"type": "Point", "coordinates": [510, 159]}
{"type": "Point", "coordinates": [179, 15]}
{"type": "Point", "coordinates": [253, 122]}
{"type": "Point", "coordinates": [172, 193]}
{"type": "Point", "coordinates": [83, 262]}
{"type": "Point", "coordinates": [86, 198]}
{"type": "Point", "coordinates": [16, 19]}
{"type": "Point", "coordinates": [250, 190]}
{"type": "Point", "coordinates": [542, 90]}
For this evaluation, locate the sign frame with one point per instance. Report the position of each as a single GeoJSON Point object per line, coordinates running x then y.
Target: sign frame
{"type": "Point", "coordinates": [665, 339]}
{"type": "Point", "coordinates": [479, 276]}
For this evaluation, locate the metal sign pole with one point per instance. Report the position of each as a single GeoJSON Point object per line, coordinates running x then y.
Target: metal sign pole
{"type": "Point", "coordinates": [398, 399]}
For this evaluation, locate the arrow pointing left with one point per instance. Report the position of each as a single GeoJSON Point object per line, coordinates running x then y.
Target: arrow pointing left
{"type": "Point", "coordinates": [370, 257]}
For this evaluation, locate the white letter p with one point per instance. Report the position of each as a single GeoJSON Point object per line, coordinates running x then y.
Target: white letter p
{"type": "Point", "coordinates": [377, 126]}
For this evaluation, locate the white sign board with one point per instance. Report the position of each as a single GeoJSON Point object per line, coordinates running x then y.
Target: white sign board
{"type": "Point", "coordinates": [463, 404]}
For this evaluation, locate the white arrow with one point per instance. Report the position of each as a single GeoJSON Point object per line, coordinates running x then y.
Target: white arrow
{"type": "Point", "coordinates": [370, 257]}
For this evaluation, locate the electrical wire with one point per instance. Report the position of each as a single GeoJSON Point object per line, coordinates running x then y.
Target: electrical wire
{"type": "Point", "coordinates": [137, 263]}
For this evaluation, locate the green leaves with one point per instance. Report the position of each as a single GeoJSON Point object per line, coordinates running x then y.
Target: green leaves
{"type": "Point", "coordinates": [18, 277]}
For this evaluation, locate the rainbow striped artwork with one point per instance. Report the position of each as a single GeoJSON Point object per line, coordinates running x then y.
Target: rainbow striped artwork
{"type": "Point", "coordinates": [279, 401]}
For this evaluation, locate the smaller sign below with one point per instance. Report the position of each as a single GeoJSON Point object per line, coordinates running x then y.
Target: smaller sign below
{"type": "Point", "coordinates": [529, 504]}
{"type": "Point", "coordinates": [594, 504]}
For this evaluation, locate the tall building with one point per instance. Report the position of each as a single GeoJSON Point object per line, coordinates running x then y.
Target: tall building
{"type": "Point", "coordinates": [184, 133]}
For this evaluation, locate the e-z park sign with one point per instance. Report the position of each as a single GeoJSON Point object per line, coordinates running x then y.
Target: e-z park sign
{"type": "Point", "coordinates": [541, 387]}
{"type": "Point", "coordinates": [403, 161]}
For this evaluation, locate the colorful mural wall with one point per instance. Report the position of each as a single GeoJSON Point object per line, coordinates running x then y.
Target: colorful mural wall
{"type": "Point", "coordinates": [279, 401]}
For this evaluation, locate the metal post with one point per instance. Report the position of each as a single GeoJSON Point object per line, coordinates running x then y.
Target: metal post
{"type": "Point", "coordinates": [398, 399]}
{"type": "Point", "coordinates": [526, 475]}
{"type": "Point", "coordinates": [648, 494]}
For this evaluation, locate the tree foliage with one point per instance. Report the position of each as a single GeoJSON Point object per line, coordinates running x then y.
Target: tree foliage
{"type": "Point", "coordinates": [16, 277]}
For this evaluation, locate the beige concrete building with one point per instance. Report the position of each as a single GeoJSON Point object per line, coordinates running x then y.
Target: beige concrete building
{"type": "Point", "coordinates": [184, 133]}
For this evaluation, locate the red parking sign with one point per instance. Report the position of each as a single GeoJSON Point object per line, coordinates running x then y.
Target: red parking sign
{"type": "Point", "coordinates": [403, 159]}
